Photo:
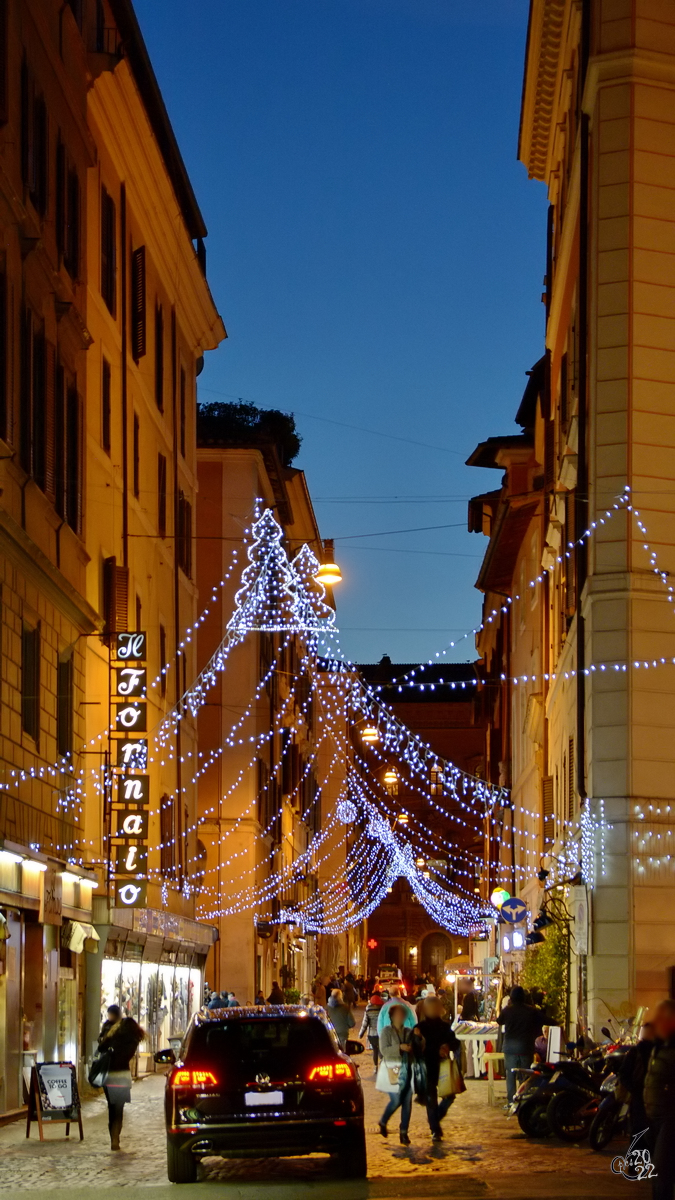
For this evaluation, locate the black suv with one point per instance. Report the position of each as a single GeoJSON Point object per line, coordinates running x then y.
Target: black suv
{"type": "Point", "coordinates": [262, 1082]}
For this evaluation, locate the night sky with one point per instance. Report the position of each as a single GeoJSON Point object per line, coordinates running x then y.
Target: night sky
{"type": "Point", "coordinates": [377, 254]}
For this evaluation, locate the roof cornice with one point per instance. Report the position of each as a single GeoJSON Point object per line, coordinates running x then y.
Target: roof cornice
{"type": "Point", "coordinates": [543, 67]}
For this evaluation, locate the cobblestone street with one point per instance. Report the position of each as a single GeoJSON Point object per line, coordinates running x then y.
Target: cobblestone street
{"type": "Point", "coordinates": [483, 1155]}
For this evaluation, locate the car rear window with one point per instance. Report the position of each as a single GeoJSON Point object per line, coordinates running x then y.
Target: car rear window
{"type": "Point", "coordinates": [265, 1044]}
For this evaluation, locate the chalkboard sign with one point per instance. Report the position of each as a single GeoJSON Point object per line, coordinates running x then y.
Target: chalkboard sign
{"type": "Point", "coordinates": [54, 1097]}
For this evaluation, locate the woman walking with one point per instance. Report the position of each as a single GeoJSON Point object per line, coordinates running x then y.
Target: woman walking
{"type": "Point", "coordinates": [341, 1016]}
{"type": "Point", "coordinates": [395, 1073]}
{"type": "Point", "coordinates": [369, 1026]}
{"type": "Point", "coordinates": [439, 1042]}
{"type": "Point", "coordinates": [122, 1036]}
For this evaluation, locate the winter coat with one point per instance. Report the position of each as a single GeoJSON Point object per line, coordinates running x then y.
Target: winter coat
{"type": "Point", "coordinates": [436, 1033]}
{"type": "Point", "coordinates": [349, 992]}
{"type": "Point", "coordinates": [342, 1019]}
{"type": "Point", "coordinates": [123, 1037]}
{"type": "Point", "coordinates": [522, 1026]}
{"type": "Point", "coordinates": [276, 996]}
{"type": "Point", "coordinates": [391, 1040]}
{"type": "Point", "coordinates": [369, 1023]}
{"type": "Point", "coordinates": [659, 1090]}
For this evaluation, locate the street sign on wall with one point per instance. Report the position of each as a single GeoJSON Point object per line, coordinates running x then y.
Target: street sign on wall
{"type": "Point", "coordinates": [513, 910]}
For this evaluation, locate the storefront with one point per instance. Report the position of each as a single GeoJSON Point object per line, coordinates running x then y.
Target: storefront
{"type": "Point", "coordinates": [151, 964]}
{"type": "Point", "coordinates": [42, 975]}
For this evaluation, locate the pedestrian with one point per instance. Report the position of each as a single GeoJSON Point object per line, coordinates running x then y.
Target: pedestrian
{"type": "Point", "coordinates": [232, 1001]}
{"type": "Point", "coordinates": [349, 992]}
{"type": "Point", "coordinates": [341, 1016]}
{"type": "Point", "coordinates": [659, 1100]}
{"type": "Point", "coordinates": [522, 1026]}
{"type": "Point", "coordinates": [438, 1043]}
{"type": "Point", "coordinates": [632, 1073]}
{"type": "Point", "coordinates": [395, 1072]}
{"type": "Point", "coordinates": [319, 992]}
{"type": "Point", "coordinates": [276, 996]}
{"type": "Point", "coordinates": [470, 1005]}
{"type": "Point", "coordinates": [260, 998]}
{"type": "Point", "coordinates": [121, 1035]}
{"type": "Point", "coordinates": [369, 1026]}
{"type": "Point", "coordinates": [218, 1000]}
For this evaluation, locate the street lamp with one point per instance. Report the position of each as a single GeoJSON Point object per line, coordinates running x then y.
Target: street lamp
{"type": "Point", "coordinates": [328, 573]}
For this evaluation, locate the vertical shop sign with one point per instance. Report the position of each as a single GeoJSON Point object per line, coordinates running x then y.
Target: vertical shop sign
{"type": "Point", "coordinates": [131, 797]}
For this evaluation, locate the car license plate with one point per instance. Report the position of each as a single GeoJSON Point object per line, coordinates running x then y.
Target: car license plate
{"type": "Point", "coordinates": [254, 1099]}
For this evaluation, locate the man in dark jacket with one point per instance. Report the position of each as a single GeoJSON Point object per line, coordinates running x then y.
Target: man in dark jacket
{"type": "Point", "coordinates": [439, 1043]}
{"type": "Point", "coordinates": [369, 1026]}
{"type": "Point", "coordinates": [522, 1026]}
{"type": "Point", "coordinates": [659, 1101]}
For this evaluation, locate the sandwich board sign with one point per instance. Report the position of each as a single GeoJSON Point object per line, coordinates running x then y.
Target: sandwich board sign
{"type": "Point", "coordinates": [53, 1097]}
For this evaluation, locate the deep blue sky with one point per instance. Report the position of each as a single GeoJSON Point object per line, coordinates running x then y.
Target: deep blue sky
{"type": "Point", "coordinates": [377, 254]}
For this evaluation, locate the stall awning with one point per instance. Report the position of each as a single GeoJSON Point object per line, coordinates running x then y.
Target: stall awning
{"type": "Point", "coordinates": [78, 936]}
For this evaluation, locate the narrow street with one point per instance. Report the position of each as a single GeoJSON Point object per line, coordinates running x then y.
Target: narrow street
{"type": "Point", "coordinates": [484, 1154]}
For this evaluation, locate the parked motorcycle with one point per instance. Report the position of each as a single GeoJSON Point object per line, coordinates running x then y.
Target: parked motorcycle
{"type": "Point", "coordinates": [612, 1117]}
{"type": "Point", "coordinates": [572, 1109]}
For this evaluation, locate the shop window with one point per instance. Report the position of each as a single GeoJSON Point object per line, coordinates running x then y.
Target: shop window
{"type": "Point", "coordinates": [64, 706]}
{"type": "Point", "coordinates": [108, 251]}
{"type": "Point", "coordinates": [30, 681]}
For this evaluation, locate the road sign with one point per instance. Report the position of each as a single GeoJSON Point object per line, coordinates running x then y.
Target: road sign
{"type": "Point", "coordinates": [513, 910]}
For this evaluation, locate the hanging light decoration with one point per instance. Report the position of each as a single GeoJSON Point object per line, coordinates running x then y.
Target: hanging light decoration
{"type": "Point", "coordinates": [402, 818]}
{"type": "Point", "coordinates": [390, 777]}
{"type": "Point", "coordinates": [328, 573]}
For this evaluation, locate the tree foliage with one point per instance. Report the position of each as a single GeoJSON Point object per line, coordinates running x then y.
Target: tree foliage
{"type": "Point", "coordinates": [545, 967]}
{"type": "Point", "coordinates": [243, 425]}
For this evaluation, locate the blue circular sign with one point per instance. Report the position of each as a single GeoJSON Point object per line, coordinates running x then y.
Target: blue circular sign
{"type": "Point", "coordinates": [513, 910]}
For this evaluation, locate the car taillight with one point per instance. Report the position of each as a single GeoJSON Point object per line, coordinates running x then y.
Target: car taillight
{"type": "Point", "coordinates": [194, 1079]}
{"type": "Point", "coordinates": [329, 1072]}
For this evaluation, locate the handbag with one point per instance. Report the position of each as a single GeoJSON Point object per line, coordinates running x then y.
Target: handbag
{"type": "Point", "coordinates": [387, 1078]}
{"type": "Point", "coordinates": [450, 1081]}
{"type": "Point", "coordinates": [100, 1068]}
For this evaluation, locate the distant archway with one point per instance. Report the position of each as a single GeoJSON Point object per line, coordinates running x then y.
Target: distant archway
{"type": "Point", "coordinates": [436, 947]}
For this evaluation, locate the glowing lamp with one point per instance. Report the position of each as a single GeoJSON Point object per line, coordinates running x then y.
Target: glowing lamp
{"type": "Point", "coordinates": [420, 862]}
{"type": "Point", "coordinates": [451, 978]}
{"type": "Point", "coordinates": [8, 856]}
{"type": "Point", "coordinates": [390, 776]}
{"type": "Point", "coordinates": [370, 734]}
{"type": "Point", "coordinates": [402, 818]}
{"type": "Point", "coordinates": [328, 573]}
{"type": "Point", "coordinates": [499, 897]}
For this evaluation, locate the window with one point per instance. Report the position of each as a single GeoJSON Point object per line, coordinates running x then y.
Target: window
{"type": "Point", "coordinates": [162, 662]}
{"type": "Point", "coordinates": [138, 303]}
{"type": "Point", "coordinates": [5, 400]}
{"type": "Point", "coordinates": [167, 835]}
{"type": "Point", "coordinates": [184, 535]}
{"type": "Point", "coordinates": [4, 4]}
{"type": "Point", "coordinates": [571, 783]}
{"type": "Point", "coordinates": [159, 357]}
{"type": "Point", "coordinates": [74, 458]}
{"type": "Point", "coordinates": [105, 406]}
{"type": "Point", "coordinates": [67, 212]}
{"type": "Point", "coordinates": [30, 681]}
{"type": "Point", "coordinates": [34, 141]}
{"type": "Point", "coordinates": [161, 495]}
{"type": "Point", "coordinates": [75, 7]}
{"type": "Point", "coordinates": [115, 596]}
{"type": "Point", "coordinates": [64, 706]}
{"type": "Point", "coordinates": [137, 457]}
{"type": "Point", "coordinates": [37, 402]}
{"type": "Point", "coordinates": [108, 250]}
{"type": "Point", "coordinates": [37, 413]}
{"type": "Point", "coordinates": [436, 781]}
{"type": "Point", "coordinates": [139, 614]}
{"type": "Point", "coordinates": [182, 411]}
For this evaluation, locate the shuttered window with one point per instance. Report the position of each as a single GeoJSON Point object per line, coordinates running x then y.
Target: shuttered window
{"type": "Point", "coordinates": [50, 422]}
{"type": "Point", "coordinates": [38, 405]}
{"type": "Point", "coordinates": [30, 681]}
{"type": "Point", "coordinates": [64, 706]}
{"type": "Point", "coordinates": [26, 400]}
{"type": "Point", "coordinates": [5, 423]}
{"type": "Point", "coordinates": [571, 782]}
{"type": "Point", "coordinates": [159, 357]}
{"type": "Point", "coordinates": [137, 457]}
{"type": "Point", "coordinates": [183, 414]}
{"type": "Point", "coordinates": [4, 65]}
{"type": "Point", "coordinates": [108, 250]}
{"type": "Point", "coordinates": [184, 535]}
{"type": "Point", "coordinates": [74, 459]}
{"type": "Point", "coordinates": [71, 256]}
{"type": "Point", "coordinates": [138, 337]}
{"type": "Point", "coordinates": [161, 495]}
{"type": "Point", "coordinates": [167, 835]}
{"type": "Point", "coordinates": [115, 596]}
{"type": "Point", "coordinates": [547, 808]}
{"type": "Point", "coordinates": [162, 661]}
{"type": "Point", "coordinates": [106, 415]}
{"type": "Point", "coordinates": [60, 441]}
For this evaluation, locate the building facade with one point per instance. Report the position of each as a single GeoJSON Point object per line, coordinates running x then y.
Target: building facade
{"type": "Point", "coordinates": [588, 628]}
{"type": "Point", "coordinates": [105, 314]}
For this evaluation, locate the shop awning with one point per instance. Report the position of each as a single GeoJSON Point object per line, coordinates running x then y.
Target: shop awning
{"type": "Point", "coordinates": [76, 934]}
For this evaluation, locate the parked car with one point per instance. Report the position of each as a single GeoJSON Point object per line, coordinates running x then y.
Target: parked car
{"type": "Point", "coordinates": [262, 1082]}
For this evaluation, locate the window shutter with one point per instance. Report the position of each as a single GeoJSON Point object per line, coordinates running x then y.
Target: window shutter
{"type": "Point", "coordinates": [50, 421]}
{"type": "Point", "coordinates": [64, 706]}
{"type": "Point", "coordinates": [74, 459]}
{"type": "Point", "coordinates": [60, 440]}
{"type": "Point", "coordinates": [182, 411]}
{"type": "Point", "coordinates": [30, 682]}
{"type": "Point", "coordinates": [106, 406]}
{"type": "Point", "coordinates": [60, 197]}
{"type": "Point", "coordinates": [26, 127]}
{"type": "Point", "coordinates": [72, 259]}
{"type": "Point", "coordinates": [39, 408]}
{"type": "Point", "coordinates": [159, 357]}
{"type": "Point", "coordinates": [4, 66]}
{"type": "Point", "coordinates": [549, 454]}
{"type": "Point", "coordinates": [161, 495]}
{"type": "Point", "coordinates": [4, 390]}
{"type": "Point", "coordinates": [571, 785]}
{"type": "Point", "coordinates": [167, 835]}
{"type": "Point", "coordinates": [115, 596]}
{"type": "Point", "coordinates": [26, 390]}
{"type": "Point", "coordinates": [547, 808]}
{"type": "Point", "coordinates": [108, 250]}
{"type": "Point", "coordinates": [40, 172]}
{"type": "Point", "coordinates": [138, 339]}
